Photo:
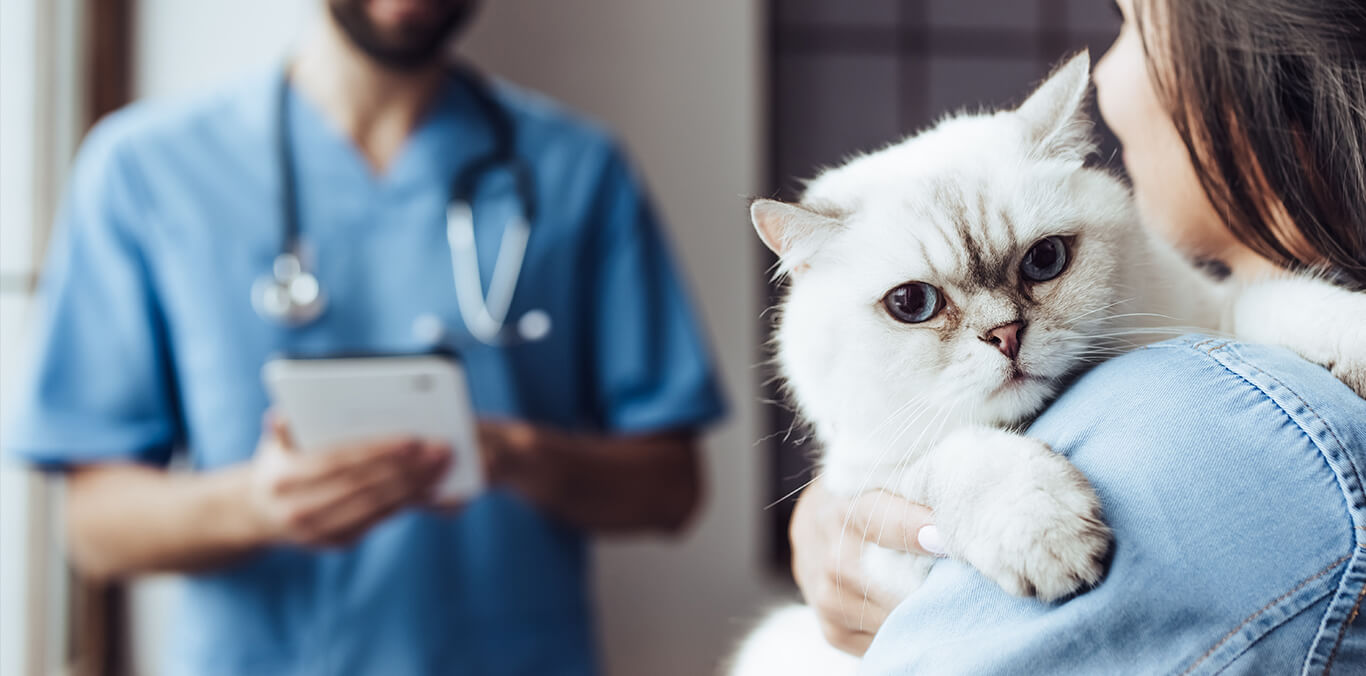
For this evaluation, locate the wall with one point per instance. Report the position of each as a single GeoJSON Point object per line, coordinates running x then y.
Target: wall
{"type": "Point", "coordinates": [681, 83]}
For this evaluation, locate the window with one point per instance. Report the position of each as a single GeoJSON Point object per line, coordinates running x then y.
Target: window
{"type": "Point", "coordinates": [63, 63]}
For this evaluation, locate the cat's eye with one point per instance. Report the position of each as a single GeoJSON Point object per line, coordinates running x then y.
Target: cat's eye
{"type": "Point", "coordinates": [1045, 260]}
{"type": "Point", "coordinates": [913, 302]}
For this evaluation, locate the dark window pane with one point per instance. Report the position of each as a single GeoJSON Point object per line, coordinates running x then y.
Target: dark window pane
{"type": "Point", "coordinates": [1019, 15]}
{"type": "Point", "coordinates": [829, 106]}
{"type": "Point", "coordinates": [830, 12]}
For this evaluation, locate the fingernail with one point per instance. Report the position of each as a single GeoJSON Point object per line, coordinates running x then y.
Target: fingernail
{"type": "Point", "coordinates": [930, 540]}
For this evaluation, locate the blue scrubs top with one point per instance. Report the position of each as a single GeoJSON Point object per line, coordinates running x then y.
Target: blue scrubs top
{"type": "Point", "coordinates": [146, 341]}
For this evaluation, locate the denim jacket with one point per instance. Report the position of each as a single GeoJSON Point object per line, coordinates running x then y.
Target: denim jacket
{"type": "Point", "coordinates": [1232, 477]}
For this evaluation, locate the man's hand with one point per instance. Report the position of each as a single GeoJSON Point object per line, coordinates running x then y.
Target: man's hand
{"type": "Point", "coordinates": [331, 497]}
{"type": "Point", "coordinates": [599, 483]}
{"type": "Point", "coordinates": [514, 455]}
{"type": "Point", "coordinates": [828, 533]}
{"type": "Point", "coordinates": [125, 519]}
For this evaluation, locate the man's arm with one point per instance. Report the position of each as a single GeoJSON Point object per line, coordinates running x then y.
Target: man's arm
{"type": "Point", "coordinates": [598, 483]}
{"type": "Point", "coordinates": [125, 519]}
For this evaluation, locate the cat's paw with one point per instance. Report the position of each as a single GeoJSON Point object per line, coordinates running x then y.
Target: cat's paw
{"type": "Point", "coordinates": [1042, 535]}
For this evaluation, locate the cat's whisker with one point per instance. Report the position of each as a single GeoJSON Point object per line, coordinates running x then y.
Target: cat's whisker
{"type": "Point", "coordinates": [863, 485]}
{"type": "Point", "coordinates": [942, 417]}
{"type": "Point", "coordinates": [794, 491]}
{"type": "Point", "coordinates": [1166, 331]}
{"type": "Point", "coordinates": [1101, 309]}
{"type": "Point", "coordinates": [905, 466]}
{"type": "Point", "coordinates": [1129, 315]}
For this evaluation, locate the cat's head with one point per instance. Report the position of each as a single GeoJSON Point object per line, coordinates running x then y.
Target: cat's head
{"type": "Point", "coordinates": [959, 273]}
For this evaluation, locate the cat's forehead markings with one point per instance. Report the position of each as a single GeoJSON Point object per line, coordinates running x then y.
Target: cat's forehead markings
{"type": "Point", "coordinates": [984, 265]}
{"type": "Point", "coordinates": [1012, 236]}
{"type": "Point", "coordinates": [928, 259]}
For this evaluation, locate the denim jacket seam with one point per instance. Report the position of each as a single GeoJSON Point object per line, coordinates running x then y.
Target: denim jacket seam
{"type": "Point", "coordinates": [1271, 604]}
{"type": "Point", "coordinates": [1309, 602]}
{"type": "Point", "coordinates": [1350, 486]}
{"type": "Point", "coordinates": [1342, 629]}
{"type": "Point", "coordinates": [1356, 605]}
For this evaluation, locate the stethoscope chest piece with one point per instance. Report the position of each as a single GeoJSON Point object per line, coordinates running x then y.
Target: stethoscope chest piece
{"type": "Point", "coordinates": [290, 295]}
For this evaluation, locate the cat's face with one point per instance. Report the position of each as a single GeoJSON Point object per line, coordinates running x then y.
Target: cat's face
{"type": "Point", "coordinates": [960, 275]}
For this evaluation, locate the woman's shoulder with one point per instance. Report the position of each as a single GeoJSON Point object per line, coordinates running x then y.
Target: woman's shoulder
{"type": "Point", "coordinates": [1180, 389]}
{"type": "Point", "coordinates": [1230, 477]}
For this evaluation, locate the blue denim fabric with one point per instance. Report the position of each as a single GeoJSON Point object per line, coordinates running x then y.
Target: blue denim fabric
{"type": "Point", "coordinates": [1231, 475]}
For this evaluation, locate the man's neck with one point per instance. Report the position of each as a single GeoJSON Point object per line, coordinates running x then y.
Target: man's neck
{"type": "Point", "coordinates": [375, 107]}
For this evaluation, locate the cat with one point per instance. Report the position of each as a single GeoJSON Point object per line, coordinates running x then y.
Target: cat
{"type": "Point", "coordinates": [940, 292]}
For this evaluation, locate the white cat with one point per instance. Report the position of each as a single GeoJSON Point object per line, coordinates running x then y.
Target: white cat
{"type": "Point", "coordinates": [942, 291]}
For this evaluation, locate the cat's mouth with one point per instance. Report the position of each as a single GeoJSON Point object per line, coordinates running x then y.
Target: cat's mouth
{"type": "Point", "coordinates": [1016, 377]}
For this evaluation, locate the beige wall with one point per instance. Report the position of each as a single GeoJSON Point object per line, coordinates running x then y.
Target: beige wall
{"type": "Point", "coordinates": [681, 84]}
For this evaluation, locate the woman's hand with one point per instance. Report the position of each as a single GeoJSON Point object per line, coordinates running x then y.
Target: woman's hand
{"type": "Point", "coordinates": [828, 532]}
{"type": "Point", "coordinates": [332, 497]}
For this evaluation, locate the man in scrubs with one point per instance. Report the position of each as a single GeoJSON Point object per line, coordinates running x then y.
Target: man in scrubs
{"type": "Point", "coordinates": [330, 562]}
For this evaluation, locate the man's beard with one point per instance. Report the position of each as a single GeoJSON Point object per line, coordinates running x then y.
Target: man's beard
{"type": "Point", "coordinates": [413, 47]}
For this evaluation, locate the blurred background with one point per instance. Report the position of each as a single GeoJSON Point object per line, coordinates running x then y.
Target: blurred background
{"type": "Point", "coordinates": [716, 100]}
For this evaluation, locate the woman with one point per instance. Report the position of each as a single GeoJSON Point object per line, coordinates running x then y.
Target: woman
{"type": "Point", "coordinates": [1232, 474]}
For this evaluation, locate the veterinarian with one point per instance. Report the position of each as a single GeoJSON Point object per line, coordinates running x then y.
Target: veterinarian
{"type": "Point", "coordinates": [1233, 475]}
{"type": "Point", "coordinates": [306, 209]}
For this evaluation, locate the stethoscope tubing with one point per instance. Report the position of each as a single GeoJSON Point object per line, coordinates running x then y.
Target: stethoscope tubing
{"type": "Point", "coordinates": [485, 314]}
{"type": "Point", "coordinates": [292, 295]}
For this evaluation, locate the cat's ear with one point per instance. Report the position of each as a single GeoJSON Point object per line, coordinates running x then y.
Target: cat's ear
{"type": "Point", "coordinates": [1055, 114]}
{"type": "Point", "coordinates": [792, 231]}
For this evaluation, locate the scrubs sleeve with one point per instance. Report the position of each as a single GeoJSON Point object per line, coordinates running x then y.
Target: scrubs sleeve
{"type": "Point", "coordinates": [94, 385]}
{"type": "Point", "coordinates": [653, 368]}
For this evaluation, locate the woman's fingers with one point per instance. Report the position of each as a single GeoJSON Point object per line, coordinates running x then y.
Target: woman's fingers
{"type": "Point", "coordinates": [853, 642]}
{"type": "Point", "coordinates": [893, 522]}
{"type": "Point", "coordinates": [830, 534]}
{"type": "Point", "coordinates": [851, 610]}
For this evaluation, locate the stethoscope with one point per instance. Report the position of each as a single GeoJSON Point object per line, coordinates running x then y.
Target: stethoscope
{"type": "Point", "coordinates": [290, 293]}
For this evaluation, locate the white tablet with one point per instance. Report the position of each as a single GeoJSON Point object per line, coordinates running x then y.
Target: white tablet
{"type": "Point", "coordinates": [341, 400]}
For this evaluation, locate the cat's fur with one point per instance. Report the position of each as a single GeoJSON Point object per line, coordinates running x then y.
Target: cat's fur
{"type": "Point", "coordinates": [924, 410]}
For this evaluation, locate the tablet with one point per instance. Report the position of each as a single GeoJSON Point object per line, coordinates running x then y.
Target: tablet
{"type": "Point", "coordinates": [331, 401]}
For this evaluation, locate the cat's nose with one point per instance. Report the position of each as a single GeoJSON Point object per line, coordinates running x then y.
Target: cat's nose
{"type": "Point", "coordinates": [1006, 338]}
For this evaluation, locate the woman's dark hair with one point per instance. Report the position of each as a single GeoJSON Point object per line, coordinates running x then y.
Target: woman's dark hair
{"type": "Point", "coordinates": [1270, 99]}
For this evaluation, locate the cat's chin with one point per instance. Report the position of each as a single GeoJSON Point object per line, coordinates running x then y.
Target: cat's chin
{"type": "Point", "coordinates": [1020, 397]}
